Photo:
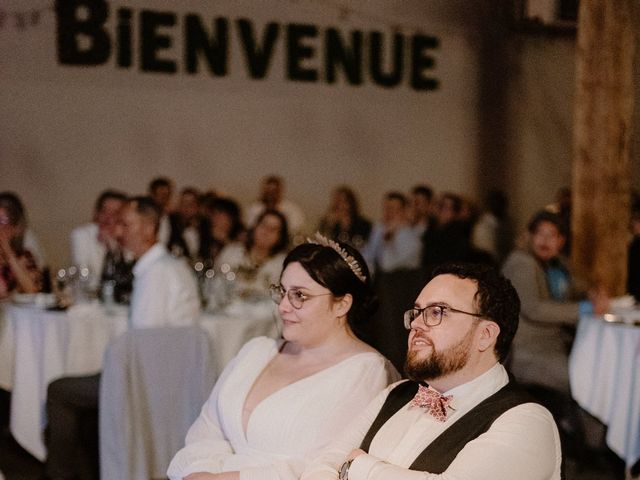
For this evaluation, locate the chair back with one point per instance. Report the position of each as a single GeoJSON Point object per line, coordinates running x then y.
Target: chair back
{"type": "Point", "coordinates": [153, 385]}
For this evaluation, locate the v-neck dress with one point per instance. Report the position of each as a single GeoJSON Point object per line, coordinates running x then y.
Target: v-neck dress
{"type": "Point", "coordinates": [287, 428]}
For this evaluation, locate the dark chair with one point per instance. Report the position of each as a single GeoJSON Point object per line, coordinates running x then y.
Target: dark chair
{"type": "Point", "coordinates": [397, 292]}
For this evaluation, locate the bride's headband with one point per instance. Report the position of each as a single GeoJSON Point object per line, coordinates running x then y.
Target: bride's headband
{"type": "Point", "coordinates": [320, 239]}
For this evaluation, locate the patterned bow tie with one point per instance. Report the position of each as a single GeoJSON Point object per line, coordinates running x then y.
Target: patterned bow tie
{"type": "Point", "coordinates": [434, 402]}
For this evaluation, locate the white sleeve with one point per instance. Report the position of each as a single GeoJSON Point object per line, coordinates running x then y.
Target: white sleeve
{"type": "Point", "coordinates": [523, 443]}
{"type": "Point", "coordinates": [327, 464]}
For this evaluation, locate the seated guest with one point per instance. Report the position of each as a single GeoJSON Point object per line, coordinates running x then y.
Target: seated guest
{"type": "Point", "coordinates": [343, 221]}
{"type": "Point", "coordinates": [161, 191]}
{"type": "Point", "coordinates": [225, 227]}
{"type": "Point", "coordinates": [164, 294]}
{"type": "Point", "coordinates": [279, 401]}
{"type": "Point", "coordinates": [29, 239]}
{"type": "Point", "coordinates": [187, 226]}
{"type": "Point", "coordinates": [551, 304]}
{"type": "Point", "coordinates": [448, 240]}
{"type": "Point", "coordinates": [491, 232]}
{"type": "Point", "coordinates": [272, 198]}
{"type": "Point", "coordinates": [92, 242]}
{"type": "Point", "coordinates": [393, 243]}
{"type": "Point", "coordinates": [563, 207]}
{"type": "Point", "coordinates": [421, 215]}
{"type": "Point", "coordinates": [18, 269]}
{"type": "Point", "coordinates": [257, 262]}
{"type": "Point", "coordinates": [460, 416]}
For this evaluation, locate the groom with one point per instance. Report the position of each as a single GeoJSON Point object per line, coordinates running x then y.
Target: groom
{"type": "Point", "coordinates": [460, 413]}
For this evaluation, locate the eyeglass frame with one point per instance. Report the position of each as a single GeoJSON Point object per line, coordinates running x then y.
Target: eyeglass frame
{"type": "Point", "coordinates": [278, 291]}
{"type": "Point", "coordinates": [421, 311]}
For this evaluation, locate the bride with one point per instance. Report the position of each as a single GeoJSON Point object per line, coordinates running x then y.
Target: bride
{"type": "Point", "coordinates": [280, 401]}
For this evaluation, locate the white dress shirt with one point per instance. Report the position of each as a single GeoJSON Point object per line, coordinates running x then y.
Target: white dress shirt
{"type": "Point", "coordinates": [287, 428]}
{"type": "Point", "coordinates": [523, 443]}
{"type": "Point", "coordinates": [165, 292]}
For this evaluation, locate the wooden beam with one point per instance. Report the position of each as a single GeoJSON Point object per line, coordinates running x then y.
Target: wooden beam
{"type": "Point", "coordinates": [607, 40]}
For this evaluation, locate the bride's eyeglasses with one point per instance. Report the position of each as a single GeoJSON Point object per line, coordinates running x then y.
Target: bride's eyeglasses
{"type": "Point", "coordinates": [295, 296]}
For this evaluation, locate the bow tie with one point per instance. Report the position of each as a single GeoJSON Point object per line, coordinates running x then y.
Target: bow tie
{"type": "Point", "coordinates": [434, 402]}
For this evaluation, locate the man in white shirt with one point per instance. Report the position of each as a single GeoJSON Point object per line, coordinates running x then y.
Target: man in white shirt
{"type": "Point", "coordinates": [164, 294]}
{"type": "Point", "coordinates": [272, 198]}
{"type": "Point", "coordinates": [91, 241]}
{"type": "Point", "coordinates": [459, 417]}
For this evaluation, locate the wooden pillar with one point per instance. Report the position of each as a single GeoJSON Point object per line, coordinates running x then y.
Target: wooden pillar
{"type": "Point", "coordinates": [602, 138]}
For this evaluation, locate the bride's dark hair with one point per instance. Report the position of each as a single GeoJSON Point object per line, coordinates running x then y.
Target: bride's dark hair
{"type": "Point", "coordinates": [325, 266]}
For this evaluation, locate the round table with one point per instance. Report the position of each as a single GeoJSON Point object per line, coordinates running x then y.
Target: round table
{"type": "Point", "coordinates": [604, 372]}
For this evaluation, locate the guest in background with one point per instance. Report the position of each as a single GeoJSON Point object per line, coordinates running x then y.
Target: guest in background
{"type": "Point", "coordinates": [562, 208]}
{"type": "Point", "coordinates": [552, 299]}
{"type": "Point", "coordinates": [165, 294]}
{"type": "Point", "coordinates": [18, 269]}
{"type": "Point", "coordinates": [448, 240]}
{"type": "Point", "coordinates": [280, 401]}
{"type": "Point", "coordinates": [187, 226]}
{"type": "Point", "coordinates": [225, 227]}
{"type": "Point", "coordinates": [393, 244]}
{"type": "Point", "coordinates": [161, 192]}
{"type": "Point", "coordinates": [421, 213]}
{"type": "Point", "coordinates": [343, 220]}
{"type": "Point", "coordinates": [633, 273]}
{"type": "Point", "coordinates": [257, 262]}
{"type": "Point", "coordinates": [29, 239]}
{"type": "Point", "coordinates": [207, 199]}
{"type": "Point", "coordinates": [272, 198]}
{"type": "Point", "coordinates": [92, 242]}
{"type": "Point", "coordinates": [492, 231]}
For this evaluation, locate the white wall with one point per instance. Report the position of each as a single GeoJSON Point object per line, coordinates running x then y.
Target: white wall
{"type": "Point", "coordinates": [67, 132]}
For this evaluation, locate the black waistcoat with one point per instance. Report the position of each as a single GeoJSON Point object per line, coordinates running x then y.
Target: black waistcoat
{"type": "Point", "coordinates": [439, 454]}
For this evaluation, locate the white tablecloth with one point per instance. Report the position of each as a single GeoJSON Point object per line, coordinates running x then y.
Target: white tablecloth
{"type": "Point", "coordinates": [6, 349]}
{"type": "Point", "coordinates": [49, 345]}
{"type": "Point", "coordinates": [604, 371]}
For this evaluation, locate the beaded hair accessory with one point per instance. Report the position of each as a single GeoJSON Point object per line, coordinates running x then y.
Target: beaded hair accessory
{"type": "Point", "coordinates": [320, 239]}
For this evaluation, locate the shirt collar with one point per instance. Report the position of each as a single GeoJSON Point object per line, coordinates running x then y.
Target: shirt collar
{"type": "Point", "coordinates": [148, 258]}
{"type": "Point", "coordinates": [480, 387]}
